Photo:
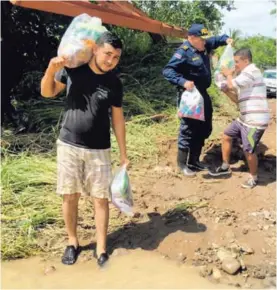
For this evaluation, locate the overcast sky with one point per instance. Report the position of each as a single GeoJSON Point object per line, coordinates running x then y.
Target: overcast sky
{"type": "Point", "coordinates": [251, 17]}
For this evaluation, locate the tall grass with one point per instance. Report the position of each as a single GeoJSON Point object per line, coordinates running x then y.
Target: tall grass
{"type": "Point", "coordinates": [28, 201]}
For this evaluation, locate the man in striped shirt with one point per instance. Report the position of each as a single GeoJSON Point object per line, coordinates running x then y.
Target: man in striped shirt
{"type": "Point", "coordinates": [254, 114]}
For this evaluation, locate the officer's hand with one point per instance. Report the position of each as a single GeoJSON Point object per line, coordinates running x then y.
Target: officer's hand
{"type": "Point", "coordinates": [56, 64]}
{"type": "Point", "coordinates": [230, 41]}
{"type": "Point", "coordinates": [189, 85]}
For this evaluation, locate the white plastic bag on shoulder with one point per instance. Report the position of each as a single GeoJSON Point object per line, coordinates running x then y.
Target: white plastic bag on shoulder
{"type": "Point", "coordinates": [79, 40]}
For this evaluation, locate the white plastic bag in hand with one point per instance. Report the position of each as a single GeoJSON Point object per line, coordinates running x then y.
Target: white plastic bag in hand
{"type": "Point", "coordinates": [191, 105]}
{"type": "Point", "coordinates": [79, 40]}
{"type": "Point", "coordinates": [121, 193]}
{"type": "Point", "coordinates": [226, 60]}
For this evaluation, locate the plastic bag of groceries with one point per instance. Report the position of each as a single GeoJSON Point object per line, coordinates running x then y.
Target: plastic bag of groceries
{"type": "Point", "coordinates": [226, 60]}
{"type": "Point", "coordinates": [191, 105]}
{"type": "Point", "coordinates": [79, 39]}
{"type": "Point", "coordinates": [121, 193]}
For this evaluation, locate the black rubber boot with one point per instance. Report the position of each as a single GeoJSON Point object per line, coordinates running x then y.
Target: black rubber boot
{"type": "Point", "coordinates": [194, 162]}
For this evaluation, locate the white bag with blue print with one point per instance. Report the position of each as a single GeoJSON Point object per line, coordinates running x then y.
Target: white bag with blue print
{"type": "Point", "coordinates": [191, 105]}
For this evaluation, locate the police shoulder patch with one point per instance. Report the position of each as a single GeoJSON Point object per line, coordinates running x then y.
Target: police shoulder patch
{"type": "Point", "coordinates": [185, 47]}
{"type": "Point", "coordinates": [177, 55]}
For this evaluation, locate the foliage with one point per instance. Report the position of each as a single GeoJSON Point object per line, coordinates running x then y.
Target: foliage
{"type": "Point", "coordinates": [273, 11]}
{"type": "Point", "coordinates": [134, 41]}
{"type": "Point", "coordinates": [34, 34]}
{"type": "Point", "coordinates": [29, 39]}
{"type": "Point", "coordinates": [184, 13]}
{"type": "Point", "coordinates": [263, 50]}
{"type": "Point", "coordinates": [215, 95]}
{"type": "Point", "coordinates": [235, 34]}
{"type": "Point", "coordinates": [43, 114]}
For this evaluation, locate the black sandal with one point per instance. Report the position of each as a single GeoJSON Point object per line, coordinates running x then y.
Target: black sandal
{"type": "Point", "coordinates": [70, 255]}
{"type": "Point", "coordinates": [102, 259]}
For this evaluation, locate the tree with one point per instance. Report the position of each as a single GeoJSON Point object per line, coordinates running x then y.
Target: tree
{"type": "Point", "coordinates": [184, 13]}
{"type": "Point", "coordinates": [263, 50]}
{"type": "Point", "coordinates": [35, 34]}
{"type": "Point", "coordinates": [235, 34]}
{"type": "Point", "coordinates": [29, 38]}
{"type": "Point", "coordinates": [273, 11]}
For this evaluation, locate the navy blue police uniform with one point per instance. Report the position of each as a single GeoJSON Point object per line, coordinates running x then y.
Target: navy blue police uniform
{"type": "Point", "coordinates": [189, 64]}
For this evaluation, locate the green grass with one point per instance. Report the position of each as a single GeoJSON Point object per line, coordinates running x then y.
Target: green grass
{"type": "Point", "coordinates": [28, 202]}
{"type": "Point", "coordinates": [142, 137]}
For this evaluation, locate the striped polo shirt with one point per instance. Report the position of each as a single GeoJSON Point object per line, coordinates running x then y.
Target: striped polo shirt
{"type": "Point", "coordinates": [253, 106]}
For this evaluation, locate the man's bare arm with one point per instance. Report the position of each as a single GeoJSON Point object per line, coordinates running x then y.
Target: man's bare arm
{"type": "Point", "coordinates": [49, 86]}
{"type": "Point", "coordinates": [232, 95]}
{"type": "Point", "coordinates": [118, 124]}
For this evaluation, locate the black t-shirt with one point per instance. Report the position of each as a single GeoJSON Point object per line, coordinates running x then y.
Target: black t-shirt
{"type": "Point", "coordinates": [86, 121]}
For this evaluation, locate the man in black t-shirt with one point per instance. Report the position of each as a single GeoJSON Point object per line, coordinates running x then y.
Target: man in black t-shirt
{"type": "Point", "coordinates": [83, 146]}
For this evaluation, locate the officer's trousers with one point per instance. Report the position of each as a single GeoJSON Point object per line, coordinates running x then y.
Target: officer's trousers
{"type": "Point", "coordinates": [192, 133]}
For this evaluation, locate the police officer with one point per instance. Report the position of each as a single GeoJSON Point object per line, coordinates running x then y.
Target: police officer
{"type": "Point", "coordinates": [189, 67]}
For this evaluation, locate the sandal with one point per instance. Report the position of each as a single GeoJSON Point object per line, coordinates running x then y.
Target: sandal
{"type": "Point", "coordinates": [70, 255]}
{"type": "Point", "coordinates": [102, 259]}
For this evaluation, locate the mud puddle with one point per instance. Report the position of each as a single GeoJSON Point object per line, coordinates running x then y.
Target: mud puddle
{"type": "Point", "coordinates": [137, 269]}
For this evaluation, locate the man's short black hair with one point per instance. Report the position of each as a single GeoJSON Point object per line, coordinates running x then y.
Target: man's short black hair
{"type": "Point", "coordinates": [110, 38]}
{"type": "Point", "coordinates": [244, 53]}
